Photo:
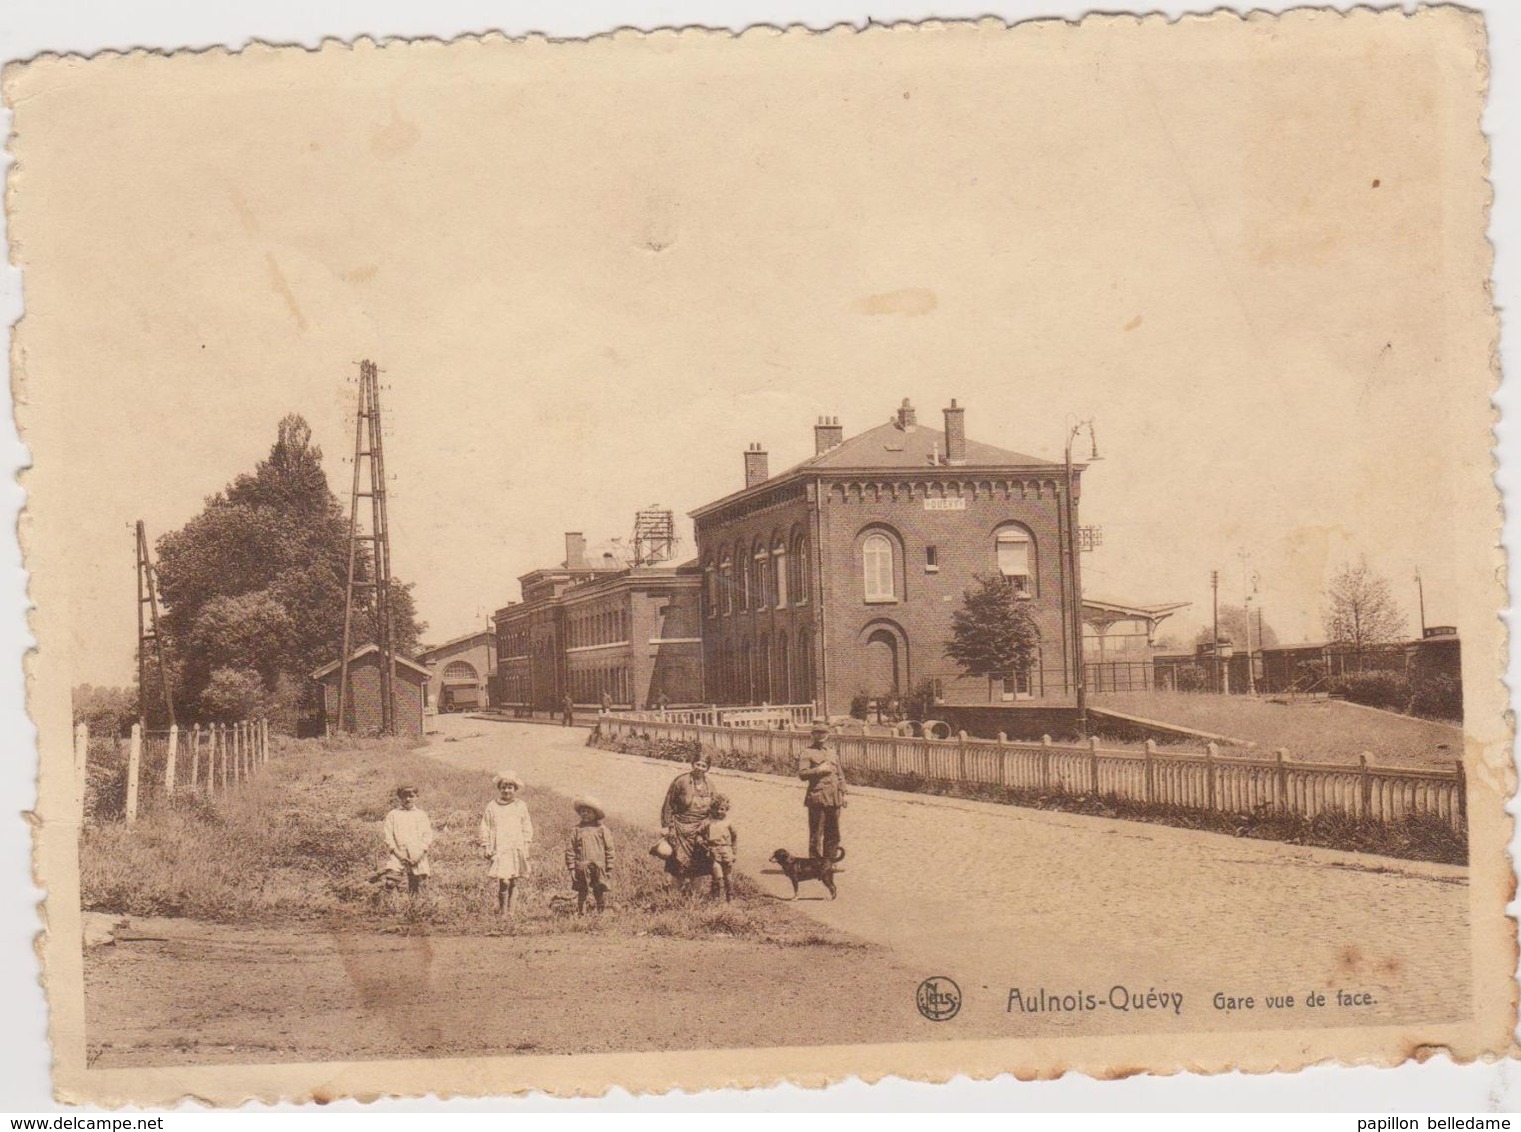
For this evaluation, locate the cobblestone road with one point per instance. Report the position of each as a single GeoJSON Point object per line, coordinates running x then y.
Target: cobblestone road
{"type": "Point", "coordinates": [998, 898]}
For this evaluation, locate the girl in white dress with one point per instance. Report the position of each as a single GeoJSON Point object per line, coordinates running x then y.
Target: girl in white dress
{"type": "Point", "coordinates": [506, 836]}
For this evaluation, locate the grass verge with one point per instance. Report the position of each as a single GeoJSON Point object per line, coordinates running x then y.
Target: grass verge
{"type": "Point", "coordinates": [297, 843]}
{"type": "Point", "coordinates": [1416, 838]}
{"type": "Point", "coordinates": [1311, 730]}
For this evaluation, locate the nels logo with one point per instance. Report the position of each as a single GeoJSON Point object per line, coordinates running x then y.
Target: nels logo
{"type": "Point", "coordinates": [938, 998]}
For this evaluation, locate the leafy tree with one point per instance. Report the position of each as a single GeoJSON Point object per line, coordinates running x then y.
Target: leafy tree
{"type": "Point", "coordinates": [255, 582]}
{"type": "Point", "coordinates": [992, 634]}
{"type": "Point", "coordinates": [107, 711]}
{"type": "Point", "coordinates": [1234, 628]}
{"type": "Point", "coordinates": [234, 694]}
{"type": "Point", "coordinates": [1360, 609]}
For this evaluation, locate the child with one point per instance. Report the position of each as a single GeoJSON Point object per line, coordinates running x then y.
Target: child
{"type": "Point", "coordinates": [506, 837]}
{"type": "Point", "coordinates": [408, 834]}
{"type": "Point", "coordinates": [722, 840]}
{"type": "Point", "coordinates": [589, 856]}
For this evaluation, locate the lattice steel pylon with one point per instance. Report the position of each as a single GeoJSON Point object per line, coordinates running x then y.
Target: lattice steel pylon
{"type": "Point", "coordinates": [654, 535]}
{"type": "Point", "coordinates": [147, 633]}
{"type": "Point", "coordinates": [369, 448]}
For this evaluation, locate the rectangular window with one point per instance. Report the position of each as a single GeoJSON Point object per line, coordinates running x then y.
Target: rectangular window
{"type": "Point", "coordinates": [877, 568]}
{"type": "Point", "coordinates": [931, 559]}
{"type": "Point", "coordinates": [1014, 559]}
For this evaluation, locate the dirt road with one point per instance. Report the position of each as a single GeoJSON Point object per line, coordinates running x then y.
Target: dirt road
{"type": "Point", "coordinates": [1003, 899]}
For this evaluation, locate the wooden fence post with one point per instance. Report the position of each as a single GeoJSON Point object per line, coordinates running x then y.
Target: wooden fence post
{"type": "Point", "coordinates": [171, 761]}
{"type": "Point", "coordinates": [1151, 770]}
{"type": "Point", "coordinates": [81, 762]}
{"type": "Point", "coordinates": [264, 739]}
{"type": "Point", "coordinates": [218, 756]}
{"type": "Point", "coordinates": [1364, 786]}
{"type": "Point", "coordinates": [1045, 763]}
{"type": "Point", "coordinates": [1462, 776]}
{"type": "Point", "coordinates": [134, 768]}
{"type": "Point", "coordinates": [195, 756]}
{"type": "Point", "coordinates": [961, 755]}
{"type": "Point", "coordinates": [1093, 749]}
{"type": "Point", "coordinates": [1281, 783]}
{"type": "Point", "coordinates": [1210, 752]}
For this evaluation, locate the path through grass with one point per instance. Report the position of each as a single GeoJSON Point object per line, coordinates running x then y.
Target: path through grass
{"type": "Point", "coordinates": [297, 844]}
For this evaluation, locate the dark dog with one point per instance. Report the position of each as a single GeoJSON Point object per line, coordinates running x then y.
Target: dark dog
{"type": "Point", "coordinates": [799, 869]}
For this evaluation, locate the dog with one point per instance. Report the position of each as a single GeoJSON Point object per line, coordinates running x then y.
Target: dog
{"type": "Point", "coordinates": [799, 869]}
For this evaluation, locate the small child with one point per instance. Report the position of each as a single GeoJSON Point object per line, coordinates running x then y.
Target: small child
{"type": "Point", "coordinates": [589, 856]}
{"type": "Point", "coordinates": [506, 838]}
{"type": "Point", "coordinates": [409, 834]}
{"type": "Point", "coordinates": [722, 840]}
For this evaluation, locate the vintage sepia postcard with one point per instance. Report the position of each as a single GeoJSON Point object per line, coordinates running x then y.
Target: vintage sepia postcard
{"type": "Point", "coordinates": [694, 559]}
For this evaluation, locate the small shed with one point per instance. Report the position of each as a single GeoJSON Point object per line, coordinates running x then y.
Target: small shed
{"type": "Point", "coordinates": [409, 693]}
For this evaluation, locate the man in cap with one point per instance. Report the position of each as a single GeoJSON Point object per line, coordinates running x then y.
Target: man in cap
{"type": "Point", "coordinates": [825, 797]}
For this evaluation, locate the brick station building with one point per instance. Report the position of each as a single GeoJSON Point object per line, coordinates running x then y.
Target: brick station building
{"type": "Point", "coordinates": [839, 576]}
{"type": "Point", "coordinates": [589, 628]}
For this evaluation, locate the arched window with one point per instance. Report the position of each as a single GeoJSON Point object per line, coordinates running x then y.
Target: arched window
{"type": "Point", "coordinates": [459, 671]}
{"type": "Point", "coordinates": [877, 567]}
{"type": "Point", "coordinates": [726, 583]}
{"type": "Point", "coordinates": [762, 576]}
{"type": "Point", "coordinates": [800, 569]}
{"type": "Point", "coordinates": [779, 579]}
{"type": "Point", "coordinates": [742, 563]}
{"type": "Point", "coordinates": [710, 578]}
{"type": "Point", "coordinates": [1014, 551]}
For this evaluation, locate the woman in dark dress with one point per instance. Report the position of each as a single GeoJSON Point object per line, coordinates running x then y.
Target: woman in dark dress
{"type": "Point", "coordinates": [681, 818]}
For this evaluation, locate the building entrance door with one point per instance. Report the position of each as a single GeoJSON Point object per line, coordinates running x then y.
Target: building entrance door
{"type": "Point", "coordinates": [882, 663]}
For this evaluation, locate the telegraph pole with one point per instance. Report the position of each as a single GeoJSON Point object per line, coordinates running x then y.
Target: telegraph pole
{"type": "Point", "coordinates": [1420, 593]}
{"type": "Point", "coordinates": [1076, 612]}
{"type": "Point", "coordinates": [1249, 588]}
{"type": "Point", "coordinates": [148, 634]}
{"type": "Point", "coordinates": [369, 448]}
{"type": "Point", "coordinates": [1214, 651]}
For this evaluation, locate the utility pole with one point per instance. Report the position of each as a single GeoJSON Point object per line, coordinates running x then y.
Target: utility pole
{"type": "Point", "coordinates": [369, 446]}
{"type": "Point", "coordinates": [1420, 592]}
{"type": "Point", "coordinates": [1249, 588]}
{"type": "Point", "coordinates": [148, 633]}
{"type": "Point", "coordinates": [1214, 649]}
{"type": "Point", "coordinates": [1076, 611]}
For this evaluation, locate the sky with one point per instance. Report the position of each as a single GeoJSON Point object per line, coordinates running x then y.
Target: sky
{"type": "Point", "coordinates": [593, 276]}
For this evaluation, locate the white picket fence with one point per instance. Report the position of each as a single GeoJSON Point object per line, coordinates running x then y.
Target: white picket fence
{"type": "Point", "coordinates": [1198, 780]}
{"type": "Point", "coordinates": [207, 760]}
{"type": "Point", "coordinates": [764, 716]}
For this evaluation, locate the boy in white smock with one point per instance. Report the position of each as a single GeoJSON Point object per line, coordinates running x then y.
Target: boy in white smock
{"type": "Point", "coordinates": [409, 835]}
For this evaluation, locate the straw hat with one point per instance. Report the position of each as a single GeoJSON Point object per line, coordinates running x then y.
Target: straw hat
{"type": "Point", "coordinates": [587, 802]}
{"type": "Point", "coordinates": [508, 776]}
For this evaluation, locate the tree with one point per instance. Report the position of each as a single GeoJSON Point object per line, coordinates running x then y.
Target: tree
{"type": "Point", "coordinates": [993, 634]}
{"type": "Point", "coordinates": [107, 711]}
{"type": "Point", "coordinates": [234, 694]}
{"type": "Point", "coordinates": [1234, 628]}
{"type": "Point", "coordinates": [1360, 609]}
{"type": "Point", "coordinates": [255, 582]}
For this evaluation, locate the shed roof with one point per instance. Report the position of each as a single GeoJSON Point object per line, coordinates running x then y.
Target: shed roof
{"type": "Point", "coordinates": [333, 666]}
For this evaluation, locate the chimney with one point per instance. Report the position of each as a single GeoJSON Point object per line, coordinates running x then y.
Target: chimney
{"type": "Point", "coordinates": [755, 465]}
{"type": "Point", "coordinates": [575, 550]}
{"type": "Point", "coordinates": [827, 434]}
{"type": "Point", "coordinates": [906, 416]}
{"type": "Point", "coordinates": [955, 434]}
